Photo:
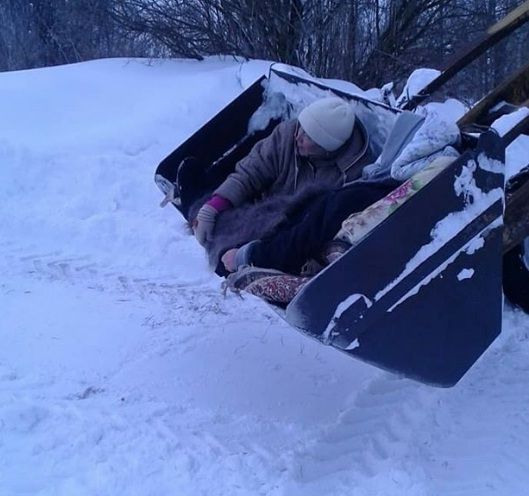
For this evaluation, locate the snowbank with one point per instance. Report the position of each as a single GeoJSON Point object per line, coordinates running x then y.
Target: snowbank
{"type": "Point", "coordinates": [124, 370]}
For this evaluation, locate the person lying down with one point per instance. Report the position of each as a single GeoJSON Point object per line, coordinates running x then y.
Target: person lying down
{"type": "Point", "coordinates": [255, 267]}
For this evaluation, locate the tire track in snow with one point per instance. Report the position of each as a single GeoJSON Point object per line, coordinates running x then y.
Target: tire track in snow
{"type": "Point", "coordinates": [199, 301]}
{"type": "Point", "coordinates": [93, 439]}
{"type": "Point", "coordinates": [399, 437]}
{"type": "Point", "coordinates": [81, 271]}
{"type": "Point", "coordinates": [479, 442]}
{"type": "Point", "coordinates": [362, 445]}
{"type": "Point", "coordinates": [170, 303]}
{"type": "Point", "coordinates": [236, 452]}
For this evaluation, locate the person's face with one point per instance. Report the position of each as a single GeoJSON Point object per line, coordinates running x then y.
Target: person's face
{"type": "Point", "coordinates": [306, 147]}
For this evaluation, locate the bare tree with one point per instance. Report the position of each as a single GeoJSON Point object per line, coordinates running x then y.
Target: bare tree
{"type": "Point", "coordinates": [47, 32]}
{"type": "Point", "coordinates": [366, 41]}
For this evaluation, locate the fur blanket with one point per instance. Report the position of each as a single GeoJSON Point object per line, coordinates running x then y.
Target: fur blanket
{"type": "Point", "coordinates": [237, 226]}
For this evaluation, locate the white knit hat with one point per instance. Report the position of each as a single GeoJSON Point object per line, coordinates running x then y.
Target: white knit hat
{"type": "Point", "coordinates": [328, 122]}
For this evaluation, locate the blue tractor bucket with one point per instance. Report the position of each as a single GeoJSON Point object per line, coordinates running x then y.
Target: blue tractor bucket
{"type": "Point", "coordinates": [421, 294]}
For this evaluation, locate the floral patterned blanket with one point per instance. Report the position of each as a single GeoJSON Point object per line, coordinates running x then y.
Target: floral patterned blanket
{"type": "Point", "coordinates": [357, 225]}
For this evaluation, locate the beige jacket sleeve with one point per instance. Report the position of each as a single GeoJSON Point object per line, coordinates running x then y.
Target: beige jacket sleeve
{"type": "Point", "coordinates": [259, 169]}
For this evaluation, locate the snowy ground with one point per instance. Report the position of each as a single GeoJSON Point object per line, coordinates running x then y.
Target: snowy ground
{"type": "Point", "coordinates": [124, 370]}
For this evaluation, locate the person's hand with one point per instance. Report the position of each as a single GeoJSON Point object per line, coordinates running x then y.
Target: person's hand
{"type": "Point", "coordinates": [228, 259]}
{"type": "Point", "coordinates": [205, 223]}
